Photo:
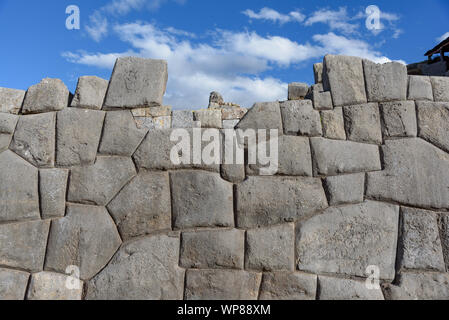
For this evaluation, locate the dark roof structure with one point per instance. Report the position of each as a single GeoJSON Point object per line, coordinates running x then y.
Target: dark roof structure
{"type": "Point", "coordinates": [440, 48]}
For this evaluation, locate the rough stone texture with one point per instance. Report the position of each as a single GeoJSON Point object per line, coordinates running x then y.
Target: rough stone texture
{"type": "Point", "coordinates": [416, 174]}
{"type": "Point", "coordinates": [420, 241]}
{"type": "Point", "coordinates": [222, 285]}
{"type": "Point", "coordinates": [385, 82]}
{"type": "Point", "coordinates": [145, 269]}
{"type": "Point", "coordinates": [266, 115]}
{"type": "Point", "coordinates": [288, 286]}
{"type": "Point", "coordinates": [210, 118]}
{"type": "Point", "coordinates": [346, 289]}
{"type": "Point", "coordinates": [48, 95]}
{"type": "Point", "coordinates": [52, 286]}
{"type": "Point", "coordinates": [213, 249]}
{"type": "Point", "coordinates": [347, 240]}
{"type": "Point", "coordinates": [433, 123]}
{"type": "Point", "coordinates": [137, 83]}
{"type": "Point", "coordinates": [121, 137]}
{"type": "Point", "coordinates": [444, 221]}
{"type": "Point", "coordinates": [334, 157]}
{"type": "Point", "coordinates": [232, 113]}
{"type": "Point", "coordinates": [143, 206]}
{"type": "Point", "coordinates": [362, 123]}
{"type": "Point", "coordinates": [271, 248]}
{"type": "Point", "coordinates": [99, 183]}
{"type": "Point", "coordinates": [201, 199]}
{"type": "Point", "coordinates": [318, 72]}
{"type": "Point", "coordinates": [23, 245]}
{"type": "Point", "coordinates": [265, 201]}
{"type": "Point", "coordinates": [399, 119]}
{"type": "Point", "coordinates": [11, 100]}
{"type": "Point", "coordinates": [90, 93]}
{"type": "Point", "coordinates": [52, 192]}
{"type": "Point", "coordinates": [420, 286]}
{"type": "Point", "coordinates": [297, 91]}
{"type": "Point", "coordinates": [230, 124]}
{"type": "Point", "coordinates": [440, 86]}
{"type": "Point", "coordinates": [8, 123]}
{"type": "Point", "coordinates": [34, 139]}
{"type": "Point", "coordinates": [5, 140]}
{"type": "Point", "coordinates": [420, 88]}
{"type": "Point", "coordinates": [86, 237]}
{"type": "Point", "coordinates": [233, 173]}
{"type": "Point", "coordinates": [182, 119]}
{"type": "Point", "coordinates": [300, 118]}
{"type": "Point", "coordinates": [78, 133]}
{"type": "Point", "coordinates": [162, 111]}
{"type": "Point", "coordinates": [345, 189]}
{"type": "Point", "coordinates": [322, 100]}
{"type": "Point", "coordinates": [333, 124]}
{"type": "Point", "coordinates": [343, 76]}
{"type": "Point", "coordinates": [149, 123]}
{"type": "Point", "coordinates": [13, 284]}
{"type": "Point", "coordinates": [19, 199]}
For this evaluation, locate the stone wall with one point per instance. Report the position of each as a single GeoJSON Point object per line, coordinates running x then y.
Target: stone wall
{"type": "Point", "coordinates": [86, 183]}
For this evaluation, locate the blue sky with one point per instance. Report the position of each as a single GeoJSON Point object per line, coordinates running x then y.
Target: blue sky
{"type": "Point", "coordinates": [247, 50]}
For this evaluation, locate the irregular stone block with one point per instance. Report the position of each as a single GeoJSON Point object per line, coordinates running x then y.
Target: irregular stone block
{"type": "Point", "coordinates": [345, 189]}
{"type": "Point", "coordinates": [433, 123]}
{"type": "Point", "coordinates": [288, 286]}
{"type": "Point", "coordinates": [90, 93]}
{"type": "Point", "coordinates": [213, 249]}
{"type": "Point", "coordinates": [333, 124]}
{"type": "Point", "coordinates": [440, 86]}
{"type": "Point", "coordinates": [318, 72]}
{"type": "Point", "coordinates": [444, 221]}
{"type": "Point", "coordinates": [419, 88]}
{"type": "Point", "coordinates": [322, 100]}
{"type": "Point", "coordinates": [143, 206]}
{"type": "Point", "coordinates": [341, 240]}
{"type": "Point", "coordinates": [86, 237]}
{"type": "Point", "coordinates": [210, 118]}
{"type": "Point", "coordinates": [416, 174]}
{"type": "Point", "coordinates": [145, 269]}
{"type": "Point", "coordinates": [23, 245]}
{"type": "Point", "coordinates": [163, 111]}
{"type": "Point", "coordinates": [334, 157]}
{"type": "Point", "coordinates": [222, 285]}
{"type": "Point", "coordinates": [5, 140]}
{"type": "Point", "coordinates": [266, 115]}
{"type": "Point", "coordinates": [265, 201]}
{"type": "Point", "coordinates": [99, 183]}
{"type": "Point", "coordinates": [346, 289]}
{"type": "Point", "coordinates": [78, 133]}
{"type": "Point", "coordinates": [300, 118]}
{"type": "Point", "coordinates": [121, 137]}
{"type": "Point", "coordinates": [420, 286]}
{"type": "Point", "coordinates": [8, 123]}
{"type": "Point", "coordinates": [271, 249]}
{"type": "Point", "coordinates": [420, 244]}
{"type": "Point", "coordinates": [52, 192]}
{"type": "Point", "coordinates": [13, 284]}
{"type": "Point", "coordinates": [385, 82]}
{"type": "Point", "coordinates": [182, 119]}
{"type": "Point", "coordinates": [34, 139]}
{"type": "Point", "coordinates": [232, 113]}
{"type": "Point", "coordinates": [343, 76]}
{"type": "Point", "coordinates": [230, 124]}
{"type": "Point", "coordinates": [19, 197]}
{"type": "Point", "coordinates": [233, 173]}
{"type": "Point", "coordinates": [201, 199]}
{"type": "Point", "coordinates": [48, 95]}
{"type": "Point", "coordinates": [362, 123]}
{"type": "Point", "coordinates": [399, 119]}
{"type": "Point", "coordinates": [11, 100]}
{"type": "Point", "coordinates": [137, 83]}
{"type": "Point", "coordinates": [52, 286]}
{"type": "Point", "coordinates": [297, 91]}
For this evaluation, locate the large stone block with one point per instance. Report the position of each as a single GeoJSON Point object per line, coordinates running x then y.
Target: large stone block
{"type": "Point", "coordinates": [52, 192]}
{"type": "Point", "coordinates": [345, 189]}
{"type": "Point", "coordinates": [265, 201]}
{"type": "Point", "coordinates": [86, 237]}
{"type": "Point", "coordinates": [346, 289]}
{"type": "Point", "coordinates": [53, 286]}
{"type": "Point", "coordinates": [90, 93]}
{"type": "Point", "coordinates": [318, 72]}
{"type": "Point", "coordinates": [48, 95]}
{"type": "Point", "coordinates": [13, 284]}
{"type": "Point", "coordinates": [209, 118]}
{"type": "Point", "coordinates": [182, 119]}
{"type": "Point", "coordinates": [266, 115]}
{"type": "Point", "coordinates": [11, 100]}
{"type": "Point", "coordinates": [346, 240]}
{"type": "Point", "coordinates": [440, 86]}
{"type": "Point", "coordinates": [433, 123]}
{"type": "Point", "coordinates": [145, 269]}
{"type": "Point", "coordinates": [322, 100]}
{"type": "Point", "coordinates": [419, 88]}
{"type": "Point", "coordinates": [385, 82]}
{"type": "Point", "coordinates": [420, 286]}
{"type": "Point", "coordinates": [333, 124]}
{"type": "Point", "coordinates": [399, 119]}
{"type": "Point", "coordinates": [8, 124]}
{"type": "Point", "coordinates": [300, 118]}
{"type": "Point", "coordinates": [288, 286]}
{"type": "Point", "coordinates": [297, 91]}
{"type": "Point", "coordinates": [232, 113]}
{"type": "Point", "coordinates": [362, 123]}
{"type": "Point", "coordinates": [150, 123]}
{"type": "Point", "coordinates": [233, 173]}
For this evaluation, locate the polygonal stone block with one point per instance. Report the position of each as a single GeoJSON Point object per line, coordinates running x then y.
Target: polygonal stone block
{"type": "Point", "coordinates": [210, 118]}
{"type": "Point", "coordinates": [90, 93]}
{"type": "Point", "coordinates": [322, 100]}
{"type": "Point", "coordinates": [440, 86]}
{"type": "Point", "coordinates": [266, 115]}
{"type": "Point", "coordinates": [52, 192]}
{"type": "Point", "coordinates": [48, 95]}
{"type": "Point", "coordinates": [53, 286]}
{"type": "Point", "coordinates": [11, 100]}
{"type": "Point", "coordinates": [362, 123]}
{"type": "Point", "coordinates": [346, 289]}
{"type": "Point", "coordinates": [399, 119]}
{"type": "Point", "coordinates": [182, 119]}
{"type": "Point", "coordinates": [433, 123]}
{"type": "Point", "coordinates": [345, 189]}
{"type": "Point", "coordinates": [288, 286]}
{"type": "Point", "coordinates": [420, 286]}
{"type": "Point", "coordinates": [13, 284]}
{"type": "Point", "coordinates": [333, 124]}
{"type": "Point", "coordinates": [299, 118]}
{"type": "Point", "coordinates": [419, 88]}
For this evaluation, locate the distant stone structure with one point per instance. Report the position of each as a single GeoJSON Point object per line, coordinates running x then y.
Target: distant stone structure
{"type": "Point", "coordinates": [433, 66]}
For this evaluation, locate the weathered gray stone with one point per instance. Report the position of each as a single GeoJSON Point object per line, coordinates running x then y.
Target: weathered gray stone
{"type": "Point", "coordinates": [121, 137]}
{"type": "Point", "coordinates": [232, 112]}
{"type": "Point", "coordinates": [48, 95]}
{"type": "Point", "coordinates": [145, 269]}
{"type": "Point", "coordinates": [271, 248]}
{"type": "Point", "coordinates": [137, 83]}
{"type": "Point", "coordinates": [8, 123]}
{"type": "Point", "coordinates": [420, 88]}
{"type": "Point", "coordinates": [399, 119]}
{"type": "Point", "coordinates": [288, 286]}
{"type": "Point", "coordinates": [300, 118]}
{"type": "Point", "coordinates": [265, 201]}
{"type": "Point", "coordinates": [346, 289]}
{"type": "Point", "coordinates": [11, 100]}
{"type": "Point", "coordinates": [420, 286]}
{"type": "Point", "coordinates": [266, 115]}
{"type": "Point", "coordinates": [433, 123]}
{"type": "Point", "coordinates": [420, 244]}
{"type": "Point", "coordinates": [209, 118]}
{"type": "Point", "coordinates": [90, 93]}
{"type": "Point", "coordinates": [215, 98]}
{"type": "Point", "coordinates": [346, 240]}
{"type": "Point", "coordinates": [23, 245]}
{"type": "Point", "coordinates": [13, 284]}
{"type": "Point", "coordinates": [162, 111]}
{"type": "Point", "coordinates": [233, 173]}
{"type": "Point", "coordinates": [34, 139]}
{"type": "Point", "coordinates": [53, 286]}
{"type": "Point", "coordinates": [5, 140]}
{"type": "Point", "coordinates": [213, 249]}
{"type": "Point", "coordinates": [99, 183]}
{"type": "Point", "coordinates": [19, 198]}
{"type": "Point", "coordinates": [385, 82]}
{"type": "Point", "coordinates": [345, 189]}
{"type": "Point", "coordinates": [444, 221]}
{"type": "Point", "coordinates": [86, 237]}
{"type": "Point", "coordinates": [297, 90]}
{"type": "Point", "coordinates": [222, 285]}
{"type": "Point", "coordinates": [201, 199]}
{"type": "Point", "coordinates": [440, 86]}
{"type": "Point", "coordinates": [416, 174]}
{"type": "Point", "coordinates": [78, 133]}
{"type": "Point", "coordinates": [143, 206]}
{"type": "Point", "coordinates": [343, 76]}
{"type": "Point", "coordinates": [362, 123]}
{"type": "Point", "coordinates": [182, 119]}
{"type": "Point", "coordinates": [230, 124]}
{"type": "Point", "coordinates": [322, 100]}
{"type": "Point", "coordinates": [318, 72]}
{"type": "Point", "coordinates": [334, 157]}
{"type": "Point", "coordinates": [52, 192]}
{"type": "Point", "coordinates": [333, 124]}
{"type": "Point", "coordinates": [158, 123]}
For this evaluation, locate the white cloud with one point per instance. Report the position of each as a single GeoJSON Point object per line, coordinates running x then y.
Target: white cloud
{"type": "Point", "coordinates": [443, 37]}
{"type": "Point", "coordinates": [274, 16]}
{"type": "Point", "coordinates": [336, 20]}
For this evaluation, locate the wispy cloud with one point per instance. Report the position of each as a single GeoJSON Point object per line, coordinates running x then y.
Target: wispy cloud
{"type": "Point", "coordinates": [337, 20]}
{"type": "Point", "coordinates": [275, 16]}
